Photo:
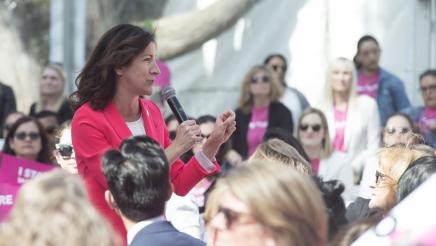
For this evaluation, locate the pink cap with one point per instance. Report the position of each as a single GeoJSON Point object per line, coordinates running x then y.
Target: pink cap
{"type": "Point", "coordinates": [164, 78]}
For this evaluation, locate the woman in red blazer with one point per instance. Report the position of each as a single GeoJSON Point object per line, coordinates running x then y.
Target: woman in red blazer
{"type": "Point", "coordinates": [109, 108]}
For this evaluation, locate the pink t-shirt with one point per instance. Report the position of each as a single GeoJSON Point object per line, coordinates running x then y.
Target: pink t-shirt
{"type": "Point", "coordinates": [315, 165]}
{"type": "Point", "coordinates": [340, 122]}
{"type": "Point", "coordinates": [257, 128]}
{"type": "Point", "coordinates": [428, 119]}
{"type": "Point", "coordinates": [368, 85]}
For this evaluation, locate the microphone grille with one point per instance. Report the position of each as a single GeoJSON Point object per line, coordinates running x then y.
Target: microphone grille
{"type": "Point", "coordinates": [168, 92]}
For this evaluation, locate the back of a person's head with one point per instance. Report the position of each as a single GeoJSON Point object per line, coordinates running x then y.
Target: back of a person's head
{"type": "Point", "coordinates": [138, 177]}
{"type": "Point", "coordinates": [287, 137]}
{"type": "Point", "coordinates": [277, 151]}
{"type": "Point", "coordinates": [417, 172]}
{"type": "Point", "coordinates": [331, 192]}
{"type": "Point", "coordinates": [53, 209]}
{"type": "Point", "coordinates": [284, 201]}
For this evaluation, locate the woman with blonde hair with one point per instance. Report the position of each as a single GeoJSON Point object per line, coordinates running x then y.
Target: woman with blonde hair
{"type": "Point", "coordinates": [259, 109]}
{"type": "Point", "coordinates": [52, 98]}
{"type": "Point", "coordinates": [265, 204]}
{"type": "Point", "coordinates": [313, 133]}
{"type": "Point", "coordinates": [53, 209]}
{"type": "Point", "coordinates": [393, 161]}
{"type": "Point", "coordinates": [353, 120]}
{"type": "Point", "coordinates": [277, 151]}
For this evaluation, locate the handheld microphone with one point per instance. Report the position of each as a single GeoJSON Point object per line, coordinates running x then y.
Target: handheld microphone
{"type": "Point", "coordinates": [169, 94]}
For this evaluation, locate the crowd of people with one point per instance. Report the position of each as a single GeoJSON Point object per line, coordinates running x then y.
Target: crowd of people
{"type": "Point", "coordinates": [275, 171]}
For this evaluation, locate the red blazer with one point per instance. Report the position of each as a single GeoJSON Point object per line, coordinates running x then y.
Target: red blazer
{"type": "Point", "coordinates": [94, 132]}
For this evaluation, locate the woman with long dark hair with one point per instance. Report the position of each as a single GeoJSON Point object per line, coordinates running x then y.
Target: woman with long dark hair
{"type": "Point", "coordinates": [109, 108]}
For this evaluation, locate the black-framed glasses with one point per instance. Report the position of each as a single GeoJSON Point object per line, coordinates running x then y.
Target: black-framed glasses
{"type": "Point", "coordinates": [276, 67]}
{"type": "Point", "coordinates": [24, 135]}
{"type": "Point", "coordinates": [400, 130]}
{"type": "Point", "coordinates": [65, 150]}
{"type": "Point", "coordinates": [256, 80]}
{"type": "Point", "coordinates": [232, 217]}
{"type": "Point", "coordinates": [315, 127]}
{"type": "Point", "coordinates": [429, 88]}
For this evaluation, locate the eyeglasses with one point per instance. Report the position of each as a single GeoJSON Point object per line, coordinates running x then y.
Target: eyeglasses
{"type": "Point", "coordinates": [23, 135]}
{"type": "Point", "coordinates": [66, 150]}
{"type": "Point", "coordinates": [400, 130]}
{"type": "Point", "coordinates": [380, 177]}
{"type": "Point", "coordinates": [315, 127]}
{"type": "Point", "coordinates": [232, 217]}
{"type": "Point", "coordinates": [276, 67]}
{"type": "Point", "coordinates": [430, 88]}
{"type": "Point", "coordinates": [263, 79]}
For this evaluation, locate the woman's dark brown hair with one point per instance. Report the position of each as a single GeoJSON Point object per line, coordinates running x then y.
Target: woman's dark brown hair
{"type": "Point", "coordinates": [118, 47]}
{"type": "Point", "coordinates": [45, 155]}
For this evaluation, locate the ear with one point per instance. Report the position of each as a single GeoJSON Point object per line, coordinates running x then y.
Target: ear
{"type": "Point", "coordinates": [119, 71]}
{"type": "Point", "coordinates": [169, 191]}
{"type": "Point", "coordinates": [110, 200]}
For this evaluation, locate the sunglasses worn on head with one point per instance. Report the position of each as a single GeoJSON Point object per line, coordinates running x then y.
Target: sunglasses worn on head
{"type": "Point", "coordinates": [276, 67]}
{"type": "Point", "coordinates": [263, 79]}
{"type": "Point", "coordinates": [66, 150]}
{"type": "Point", "coordinates": [400, 130]}
{"type": "Point", "coordinates": [315, 127]}
{"type": "Point", "coordinates": [232, 217]}
{"type": "Point", "coordinates": [24, 135]}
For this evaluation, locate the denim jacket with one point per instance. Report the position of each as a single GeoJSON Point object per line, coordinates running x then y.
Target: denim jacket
{"type": "Point", "coordinates": [391, 95]}
{"type": "Point", "coordinates": [416, 113]}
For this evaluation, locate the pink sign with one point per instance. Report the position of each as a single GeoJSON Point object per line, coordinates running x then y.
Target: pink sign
{"type": "Point", "coordinates": [13, 173]}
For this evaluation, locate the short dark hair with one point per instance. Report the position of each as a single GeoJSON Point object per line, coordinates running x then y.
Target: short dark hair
{"type": "Point", "coordinates": [359, 44]}
{"type": "Point", "coordinates": [138, 177]}
{"type": "Point", "coordinates": [118, 47]}
{"type": "Point", "coordinates": [416, 173]}
{"type": "Point", "coordinates": [205, 119]}
{"type": "Point", "coordinates": [428, 72]}
{"type": "Point", "coordinates": [282, 57]}
{"type": "Point", "coordinates": [47, 113]}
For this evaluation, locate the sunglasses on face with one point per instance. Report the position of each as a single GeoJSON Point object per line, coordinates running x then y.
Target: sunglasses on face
{"type": "Point", "coordinates": [276, 67]}
{"type": "Point", "coordinates": [400, 130]}
{"type": "Point", "coordinates": [66, 150]}
{"type": "Point", "coordinates": [263, 79]}
{"type": "Point", "coordinates": [315, 127]}
{"type": "Point", "coordinates": [24, 135]}
{"type": "Point", "coordinates": [232, 217]}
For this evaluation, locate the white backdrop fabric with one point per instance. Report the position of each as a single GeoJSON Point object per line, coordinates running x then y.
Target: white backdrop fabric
{"type": "Point", "coordinates": [310, 34]}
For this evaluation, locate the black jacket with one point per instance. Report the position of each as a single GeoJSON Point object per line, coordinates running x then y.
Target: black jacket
{"type": "Point", "coordinates": [7, 101]}
{"type": "Point", "coordinates": [163, 233]}
{"type": "Point", "coordinates": [64, 113]}
{"type": "Point", "coordinates": [279, 117]}
{"type": "Point", "coordinates": [359, 209]}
